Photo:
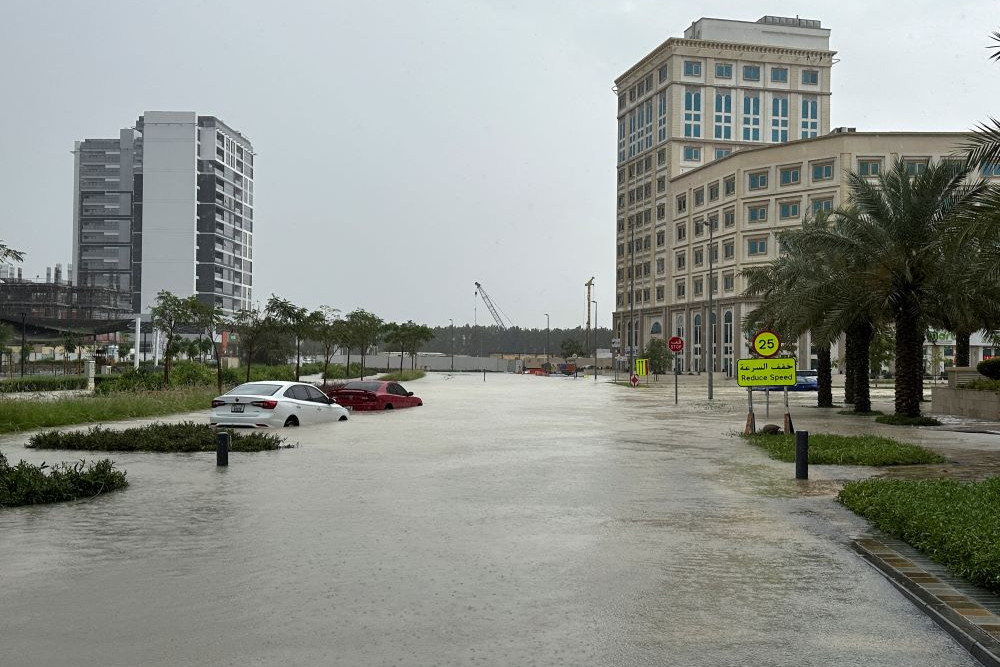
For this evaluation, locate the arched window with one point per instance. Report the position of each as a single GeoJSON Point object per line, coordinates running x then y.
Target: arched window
{"type": "Point", "coordinates": [656, 329]}
{"type": "Point", "coordinates": [697, 329]}
{"type": "Point", "coordinates": [727, 329]}
{"type": "Point", "coordinates": [679, 326]}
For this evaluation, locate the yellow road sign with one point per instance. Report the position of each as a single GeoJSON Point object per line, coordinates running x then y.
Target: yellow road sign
{"type": "Point", "coordinates": [642, 364]}
{"type": "Point", "coordinates": [765, 372]}
{"type": "Point", "coordinates": [766, 343]}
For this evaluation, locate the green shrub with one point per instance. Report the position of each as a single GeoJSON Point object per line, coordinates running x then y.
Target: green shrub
{"type": "Point", "coordinates": [405, 376]}
{"type": "Point", "coordinates": [852, 413]}
{"type": "Point", "coordinates": [990, 368]}
{"type": "Point", "coordinates": [42, 383]}
{"type": "Point", "coordinates": [144, 379]}
{"type": "Point", "coordinates": [182, 437]}
{"type": "Point", "coordinates": [828, 448]}
{"type": "Point", "coordinates": [27, 484]}
{"type": "Point", "coordinates": [903, 420]}
{"type": "Point", "coordinates": [954, 523]}
{"type": "Point", "coordinates": [983, 385]}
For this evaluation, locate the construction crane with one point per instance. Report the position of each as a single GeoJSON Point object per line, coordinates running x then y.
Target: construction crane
{"type": "Point", "coordinates": [589, 284]}
{"type": "Point", "coordinates": [494, 309]}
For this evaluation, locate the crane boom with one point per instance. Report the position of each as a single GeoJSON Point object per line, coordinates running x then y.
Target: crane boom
{"type": "Point", "coordinates": [492, 306]}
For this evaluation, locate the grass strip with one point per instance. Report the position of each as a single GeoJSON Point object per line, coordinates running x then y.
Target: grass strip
{"type": "Point", "coordinates": [832, 449]}
{"type": "Point", "coordinates": [27, 484]}
{"type": "Point", "coordinates": [182, 437]}
{"type": "Point", "coordinates": [42, 383]}
{"type": "Point", "coordinates": [903, 420]}
{"type": "Point", "coordinates": [403, 376]}
{"type": "Point", "coordinates": [954, 523]}
{"type": "Point", "coordinates": [855, 413]}
{"type": "Point", "coordinates": [22, 414]}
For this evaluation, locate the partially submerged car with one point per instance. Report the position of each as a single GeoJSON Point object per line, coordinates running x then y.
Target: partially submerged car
{"type": "Point", "coordinates": [273, 404]}
{"type": "Point", "coordinates": [373, 395]}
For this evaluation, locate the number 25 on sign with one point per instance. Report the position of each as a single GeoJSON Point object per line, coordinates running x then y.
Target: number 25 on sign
{"type": "Point", "coordinates": [766, 343]}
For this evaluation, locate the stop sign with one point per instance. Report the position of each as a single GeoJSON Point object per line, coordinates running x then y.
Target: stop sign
{"type": "Point", "coordinates": [676, 343]}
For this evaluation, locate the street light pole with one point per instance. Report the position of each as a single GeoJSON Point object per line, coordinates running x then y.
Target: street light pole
{"type": "Point", "coordinates": [711, 309]}
{"type": "Point", "coordinates": [547, 343]}
{"type": "Point", "coordinates": [595, 339]}
{"type": "Point", "coordinates": [631, 301]}
{"type": "Point", "coordinates": [452, 344]}
{"type": "Point", "coordinates": [23, 316]}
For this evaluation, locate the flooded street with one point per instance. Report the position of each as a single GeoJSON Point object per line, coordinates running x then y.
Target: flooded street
{"type": "Point", "coordinates": [517, 521]}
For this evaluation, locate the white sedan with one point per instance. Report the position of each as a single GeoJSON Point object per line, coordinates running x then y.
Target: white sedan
{"type": "Point", "coordinates": [270, 404]}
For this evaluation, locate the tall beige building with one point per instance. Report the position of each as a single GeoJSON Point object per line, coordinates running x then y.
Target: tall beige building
{"type": "Point", "coordinates": [725, 86]}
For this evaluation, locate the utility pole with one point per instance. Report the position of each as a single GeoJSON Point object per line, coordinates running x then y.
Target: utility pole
{"type": "Point", "coordinates": [711, 308]}
{"type": "Point", "coordinates": [547, 342]}
{"type": "Point", "coordinates": [23, 347]}
{"type": "Point", "coordinates": [595, 337]}
{"type": "Point", "coordinates": [452, 344]}
{"type": "Point", "coordinates": [589, 284]}
{"type": "Point", "coordinates": [631, 301]}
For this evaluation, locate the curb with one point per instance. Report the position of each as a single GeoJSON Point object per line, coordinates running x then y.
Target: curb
{"type": "Point", "coordinates": [972, 625]}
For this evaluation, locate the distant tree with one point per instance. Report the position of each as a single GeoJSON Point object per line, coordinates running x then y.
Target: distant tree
{"type": "Point", "coordinates": [296, 320]}
{"type": "Point", "coordinates": [416, 336]}
{"type": "Point", "coordinates": [394, 335]}
{"type": "Point", "coordinates": [249, 325]}
{"type": "Point", "coordinates": [210, 321]}
{"type": "Point", "coordinates": [659, 356]}
{"type": "Point", "coordinates": [168, 315]}
{"type": "Point", "coordinates": [328, 333]}
{"type": "Point", "coordinates": [570, 348]}
{"type": "Point", "coordinates": [124, 347]}
{"type": "Point", "coordinates": [366, 328]}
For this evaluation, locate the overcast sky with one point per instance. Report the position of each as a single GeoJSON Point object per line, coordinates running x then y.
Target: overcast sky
{"type": "Point", "coordinates": [407, 149]}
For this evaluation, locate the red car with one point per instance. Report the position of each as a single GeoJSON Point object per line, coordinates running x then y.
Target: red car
{"type": "Point", "coordinates": [373, 395]}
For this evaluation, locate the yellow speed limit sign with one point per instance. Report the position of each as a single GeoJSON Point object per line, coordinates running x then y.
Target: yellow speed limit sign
{"type": "Point", "coordinates": [766, 343]}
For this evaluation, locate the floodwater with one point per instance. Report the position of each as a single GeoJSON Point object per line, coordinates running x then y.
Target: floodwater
{"type": "Point", "coordinates": [517, 521]}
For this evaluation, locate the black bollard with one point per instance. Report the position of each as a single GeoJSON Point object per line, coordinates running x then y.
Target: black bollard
{"type": "Point", "coordinates": [802, 455]}
{"type": "Point", "coordinates": [222, 448]}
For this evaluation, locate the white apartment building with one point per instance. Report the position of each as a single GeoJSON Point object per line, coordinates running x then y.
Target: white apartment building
{"type": "Point", "coordinates": [725, 86]}
{"type": "Point", "coordinates": [168, 205]}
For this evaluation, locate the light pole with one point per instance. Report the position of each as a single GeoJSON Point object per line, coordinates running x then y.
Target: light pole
{"type": "Point", "coordinates": [546, 342]}
{"type": "Point", "coordinates": [631, 300]}
{"type": "Point", "coordinates": [23, 355]}
{"type": "Point", "coordinates": [595, 339]}
{"type": "Point", "coordinates": [452, 344]}
{"type": "Point", "coordinates": [711, 309]}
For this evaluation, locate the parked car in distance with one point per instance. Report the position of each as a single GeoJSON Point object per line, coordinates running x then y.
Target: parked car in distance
{"type": "Point", "coordinates": [373, 395]}
{"type": "Point", "coordinates": [268, 404]}
{"type": "Point", "coordinates": [805, 380]}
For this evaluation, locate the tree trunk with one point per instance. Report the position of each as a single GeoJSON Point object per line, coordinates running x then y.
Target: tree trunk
{"type": "Point", "coordinates": [218, 363]}
{"type": "Point", "coordinates": [825, 397]}
{"type": "Point", "coordinates": [962, 348]}
{"type": "Point", "coordinates": [298, 355]}
{"type": "Point", "coordinates": [249, 357]}
{"type": "Point", "coordinates": [849, 372]}
{"type": "Point", "coordinates": [863, 334]}
{"type": "Point", "coordinates": [909, 358]}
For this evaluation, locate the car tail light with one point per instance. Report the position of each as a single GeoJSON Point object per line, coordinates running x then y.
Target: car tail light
{"type": "Point", "coordinates": [267, 405]}
{"type": "Point", "coordinates": [216, 403]}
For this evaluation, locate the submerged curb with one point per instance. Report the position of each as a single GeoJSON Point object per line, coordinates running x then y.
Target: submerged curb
{"type": "Point", "coordinates": [976, 628]}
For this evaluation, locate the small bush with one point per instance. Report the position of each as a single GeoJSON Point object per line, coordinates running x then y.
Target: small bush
{"type": "Point", "coordinates": [27, 484]}
{"type": "Point", "coordinates": [405, 376]}
{"type": "Point", "coordinates": [983, 385]}
{"type": "Point", "coordinates": [183, 437]}
{"type": "Point", "coordinates": [990, 368]}
{"type": "Point", "coordinates": [853, 413]}
{"type": "Point", "coordinates": [903, 420]}
{"type": "Point", "coordinates": [954, 523]}
{"type": "Point", "coordinates": [828, 448]}
{"type": "Point", "coordinates": [42, 383]}
{"type": "Point", "coordinates": [143, 379]}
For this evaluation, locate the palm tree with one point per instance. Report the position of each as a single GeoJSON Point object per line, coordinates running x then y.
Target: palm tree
{"type": "Point", "coordinates": [8, 254]}
{"type": "Point", "coordinates": [895, 237]}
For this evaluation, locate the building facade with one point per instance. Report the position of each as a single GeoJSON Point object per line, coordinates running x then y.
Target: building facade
{"type": "Point", "coordinates": [724, 87]}
{"type": "Point", "coordinates": [168, 205]}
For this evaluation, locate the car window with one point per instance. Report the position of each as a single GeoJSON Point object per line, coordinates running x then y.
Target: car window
{"type": "Point", "coordinates": [298, 392]}
{"type": "Point", "coordinates": [396, 389]}
{"type": "Point", "coordinates": [255, 389]}
{"type": "Point", "coordinates": [315, 395]}
{"type": "Point", "coordinates": [364, 386]}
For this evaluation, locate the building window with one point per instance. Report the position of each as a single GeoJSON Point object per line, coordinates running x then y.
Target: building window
{"type": "Point", "coordinates": [822, 171]}
{"type": "Point", "coordinates": [680, 261]}
{"type": "Point", "coordinates": [692, 68]}
{"type": "Point", "coordinates": [751, 117]}
{"type": "Point", "coordinates": [660, 266]}
{"type": "Point", "coordinates": [682, 203]}
{"type": "Point", "coordinates": [990, 170]}
{"type": "Point", "coordinates": [810, 117]}
{"type": "Point", "coordinates": [788, 210]}
{"type": "Point", "coordinates": [664, 73]}
{"type": "Point", "coordinates": [713, 191]}
{"type": "Point", "coordinates": [723, 115]}
{"type": "Point", "coordinates": [722, 152]}
{"type": "Point", "coordinates": [692, 112]}
{"type": "Point", "coordinates": [822, 205]}
{"type": "Point", "coordinates": [723, 70]}
{"type": "Point", "coordinates": [661, 238]}
{"type": "Point", "coordinates": [728, 218]}
{"type": "Point", "coordinates": [810, 77]}
{"type": "Point", "coordinates": [661, 211]}
{"type": "Point", "coordinates": [679, 289]}
{"type": "Point", "coordinates": [728, 282]}
{"type": "Point", "coordinates": [728, 250]}
{"type": "Point", "coordinates": [757, 247]}
{"type": "Point", "coordinates": [751, 72]}
{"type": "Point", "coordinates": [870, 166]}
{"type": "Point", "coordinates": [661, 118]}
{"type": "Point", "coordinates": [699, 286]}
{"type": "Point", "coordinates": [661, 184]}
{"type": "Point", "coordinates": [645, 294]}
{"type": "Point", "coordinates": [713, 252]}
{"type": "Point", "coordinates": [661, 157]}
{"type": "Point", "coordinates": [779, 119]}
{"type": "Point", "coordinates": [729, 186]}
{"type": "Point", "coordinates": [757, 213]}
{"type": "Point", "coordinates": [758, 180]}
{"type": "Point", "coordinates": [682, 232]}
{"type": "Point", "coordinates": [779, 75]}
{"type": "Point", "coordinates": [692, 153]}
{"type": "Point", "coordinates": [699, 197]}
{"type": "Point", "coordinates": [713, 221]}
{"type": "Point", "coordinates": [789, 175]}
{"type": "Point", "coordinates": [699, 227]}
{"type": "Point", "coordinates": [699, 256]}
{"type": "Point", "coordinates": [659, 293]}
{"type": "Point", "coordinates": [915, 166]}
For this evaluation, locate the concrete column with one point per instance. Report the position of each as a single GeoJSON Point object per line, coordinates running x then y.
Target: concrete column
{"type": "Point", "coordinates": [89, 367]}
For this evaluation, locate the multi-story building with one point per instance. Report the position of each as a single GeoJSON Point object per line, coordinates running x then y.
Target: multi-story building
{"type": "Point", "coordinates": [725, 86]}
{"type": "Point", "coordinates": [168, 205]}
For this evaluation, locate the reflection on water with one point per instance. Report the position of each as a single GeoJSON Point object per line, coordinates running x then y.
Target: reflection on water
{"type": "Point", "coordinates": [520, 520]}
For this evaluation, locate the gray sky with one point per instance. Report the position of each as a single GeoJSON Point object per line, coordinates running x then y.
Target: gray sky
{"type": "Point", "coordinates": [407, 149]}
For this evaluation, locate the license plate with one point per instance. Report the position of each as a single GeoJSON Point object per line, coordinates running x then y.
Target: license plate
{"type": "Point", "coordinates": [238, 407]}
